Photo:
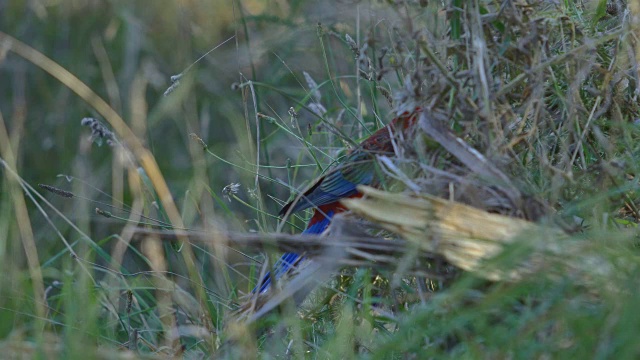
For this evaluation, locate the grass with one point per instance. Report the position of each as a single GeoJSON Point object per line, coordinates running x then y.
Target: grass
{"type": "Point", "coordinates": [531, 113]}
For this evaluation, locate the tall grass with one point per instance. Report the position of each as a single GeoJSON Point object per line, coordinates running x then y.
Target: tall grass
{"type": "Point", "coordinates": [187, 186]}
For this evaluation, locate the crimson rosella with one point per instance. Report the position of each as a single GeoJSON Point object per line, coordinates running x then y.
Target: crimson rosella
{"type": "Point", "coordinates": [357, 168]}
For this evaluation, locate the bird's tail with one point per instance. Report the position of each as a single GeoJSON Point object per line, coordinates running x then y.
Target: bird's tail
{"type": "Point", "coordinates": [317, 225]}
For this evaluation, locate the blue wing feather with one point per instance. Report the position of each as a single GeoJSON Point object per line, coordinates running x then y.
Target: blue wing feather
{"type": "Point", "coordinates": [339, 183]}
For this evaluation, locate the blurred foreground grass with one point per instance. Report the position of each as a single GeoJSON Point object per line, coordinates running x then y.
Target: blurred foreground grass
{"type": "Point", "coordinates": [546, 91]}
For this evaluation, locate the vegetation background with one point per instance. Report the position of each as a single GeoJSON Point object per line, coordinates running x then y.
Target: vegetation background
{"type": "Point", "coordinates": [287, 87]}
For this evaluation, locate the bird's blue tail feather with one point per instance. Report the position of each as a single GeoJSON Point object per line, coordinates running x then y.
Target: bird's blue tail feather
{"type": "Point", "coordinates": [289, 260]}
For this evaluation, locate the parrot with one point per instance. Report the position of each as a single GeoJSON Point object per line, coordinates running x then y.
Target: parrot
{"type": "Point", "coordinates": [357, 168]}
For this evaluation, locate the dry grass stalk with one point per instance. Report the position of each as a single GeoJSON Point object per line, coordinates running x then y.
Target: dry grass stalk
{"type": "Point", "coordinates": [467, 237]}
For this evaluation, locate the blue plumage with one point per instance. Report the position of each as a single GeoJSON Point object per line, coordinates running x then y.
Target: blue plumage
{"type": "Point", "coordinates": [288, 260]}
